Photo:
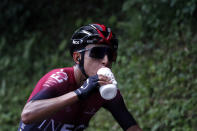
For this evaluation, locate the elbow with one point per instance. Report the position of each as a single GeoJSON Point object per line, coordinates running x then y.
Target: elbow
{"type": "Point", "coordinates": [26, 117]}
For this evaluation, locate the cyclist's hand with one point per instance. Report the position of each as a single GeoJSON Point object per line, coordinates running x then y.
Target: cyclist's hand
{"type": "Point", "coordinates": [104, 80]}
{"type": "Point", "coordinates": [88, 87]}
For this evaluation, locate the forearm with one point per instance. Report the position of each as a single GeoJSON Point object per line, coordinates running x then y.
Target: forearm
{"type": "Point", "coordinates": [38, 110]}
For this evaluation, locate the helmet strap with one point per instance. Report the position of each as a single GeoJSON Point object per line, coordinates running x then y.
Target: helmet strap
{"type": "Point", "coordinates": [81, 65]}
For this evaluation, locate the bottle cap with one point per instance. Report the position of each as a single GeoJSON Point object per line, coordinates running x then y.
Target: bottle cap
{"type": "Point", "coordinates": [107, 72]}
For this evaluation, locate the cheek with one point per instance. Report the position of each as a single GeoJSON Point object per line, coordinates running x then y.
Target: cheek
{"type": "Point", "coordinates": [91, 66]}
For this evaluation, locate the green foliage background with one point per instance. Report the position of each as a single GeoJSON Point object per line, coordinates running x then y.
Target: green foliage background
{"type": "Point", "coordinates": [156, 66]}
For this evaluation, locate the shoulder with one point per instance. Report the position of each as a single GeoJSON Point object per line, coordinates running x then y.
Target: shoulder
{"type": "Point", "coordinates": [58, 76]}
{"type": "Point", "coordinates": [54, 80]}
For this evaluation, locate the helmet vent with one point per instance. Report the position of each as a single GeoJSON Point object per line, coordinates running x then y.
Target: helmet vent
{"type": "Point", "coordinates": [86, 32]}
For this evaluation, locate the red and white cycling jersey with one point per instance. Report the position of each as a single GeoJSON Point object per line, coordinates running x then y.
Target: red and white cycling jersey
{"type": "Point", "coordinates": [74, 117]}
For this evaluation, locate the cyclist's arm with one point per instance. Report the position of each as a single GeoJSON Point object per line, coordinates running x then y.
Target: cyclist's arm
{"type": "Point", "coordinates": [121, 114]}
{"type": "Point", "coordinates": [42, 105]}
{"type": "Point", "coordinates": [45, 103]}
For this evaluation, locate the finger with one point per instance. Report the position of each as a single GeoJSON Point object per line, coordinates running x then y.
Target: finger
{"type": "Point", "coordinates": [105, 81]}
{"type": "Point", "coordinates": [103, 78]}
{"type": "Point", "coordinates": [101, 83]}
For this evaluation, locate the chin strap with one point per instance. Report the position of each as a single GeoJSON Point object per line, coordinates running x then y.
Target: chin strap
{"type": "Point", "coordinates": [81, 65]}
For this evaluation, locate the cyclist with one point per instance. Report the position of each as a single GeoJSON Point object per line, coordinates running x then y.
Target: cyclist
{"type": "Point", "coordinates": [65, 99]}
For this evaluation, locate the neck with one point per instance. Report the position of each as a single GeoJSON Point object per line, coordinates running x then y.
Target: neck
{"type": "Point", "coordinates": [79, 77]}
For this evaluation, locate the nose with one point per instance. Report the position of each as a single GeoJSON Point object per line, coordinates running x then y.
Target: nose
{"type": "Point", "coordinates": [105, 61]}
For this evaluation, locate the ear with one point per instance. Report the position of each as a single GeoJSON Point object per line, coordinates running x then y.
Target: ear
{"type": "Point", "coordinates": [76, 57]}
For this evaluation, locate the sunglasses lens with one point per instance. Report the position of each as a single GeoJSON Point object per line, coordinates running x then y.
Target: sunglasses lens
{"type": "Point", "coordinates": [97, 52]}
{"type": "Point", "coordinates": [110, 54]}
{"type": "Point", "coordinates": [100, 52]}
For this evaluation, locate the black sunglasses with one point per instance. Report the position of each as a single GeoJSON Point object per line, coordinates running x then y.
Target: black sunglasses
{"type": "Point", "coordinates": [100, 52]}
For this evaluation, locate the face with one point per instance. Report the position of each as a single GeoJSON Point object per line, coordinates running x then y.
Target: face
{"type": "Point", "coordinates": [91, 64]}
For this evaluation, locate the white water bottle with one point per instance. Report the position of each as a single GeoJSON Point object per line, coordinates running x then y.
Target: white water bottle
{"type": "Point", "coordinates": [108, 91]}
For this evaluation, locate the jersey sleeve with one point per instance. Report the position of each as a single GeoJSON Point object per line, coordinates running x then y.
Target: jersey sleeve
{"type": "Point", "coordinates": [49, 85]}
{"type": "Point", "coordinates": [45, 93]}
{"type": "Point", "coordinates": [120, 113]}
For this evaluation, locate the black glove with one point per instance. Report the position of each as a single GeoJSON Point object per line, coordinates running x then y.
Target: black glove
{"type": "Point", "coordinates": [89, 86]}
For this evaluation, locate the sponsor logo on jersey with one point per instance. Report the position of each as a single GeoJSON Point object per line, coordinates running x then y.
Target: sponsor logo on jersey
{"type": "Point", "coordinates": [57, 77]}
{"type": "Point", "coordinates": [57, 126]}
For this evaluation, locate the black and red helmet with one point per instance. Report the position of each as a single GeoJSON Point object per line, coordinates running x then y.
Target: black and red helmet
{"type": "Point", "coordinates": [93, 34]}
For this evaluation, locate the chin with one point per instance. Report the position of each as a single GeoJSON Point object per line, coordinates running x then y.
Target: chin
{"type": "Point", "coordinates": [93, 73]}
